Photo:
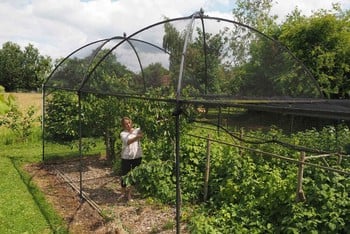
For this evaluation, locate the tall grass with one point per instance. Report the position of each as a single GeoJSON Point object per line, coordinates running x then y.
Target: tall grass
{"type": "Point", "coordinates": [8, 137]}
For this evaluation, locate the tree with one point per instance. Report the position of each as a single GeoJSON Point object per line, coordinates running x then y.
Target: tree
{"type": "Point", "coordinates": [256, 14]}
{"type": "Point", "coordinates": [203, 58]}
{"type": "Point", "coordinates": [35, 67]}
{"type": "Point", "coordinates": [246, 45]}
{"type": "Point", "coordinates": [204, 62]}
{"type": "Point", "coordinates": [153, 74]}
{"type": "Point", "coordinates": [11, 58]}
{"type": "Point", "coordinates": [173, 42]}
{"type": "Point", "coordinates": [25, 69]}
{"type": "Point", "coordinates": [62, 116]}
{"type": "Point", "coordinates": [322, 42]}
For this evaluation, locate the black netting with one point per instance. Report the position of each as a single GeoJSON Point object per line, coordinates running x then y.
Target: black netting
{"type": "Point", "coordinates": [71, 71]}
{"type": "Point", "coordinates": [225, 77]}
{"type": "Point", "coordinates": [199, 58]}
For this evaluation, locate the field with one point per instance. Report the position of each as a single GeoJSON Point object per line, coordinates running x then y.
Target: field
{"type": "Point", "coordinates": [25, 100]}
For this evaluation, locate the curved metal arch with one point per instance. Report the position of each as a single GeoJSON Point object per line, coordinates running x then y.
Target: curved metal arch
{"type": "Point", "coordinates": [93, 57]}
{"type": "Point", "coordinates": [188, 34]}
{"type": "Point", "coordinates": [205, 53]}
{"type": "Point", "coordinates": [97, 50]}
{"type": "Point", "coordinates": [130, 37]}
{"type": "Point", "coordinates": [139, 60]}
{"type": "Point", "coordinates": [202, 17]}
{"type": "Point", "coordinates": [275, 41]}
{"type": "Point", "coordinates": [68, 56]}
{"type": "Point", "coordinates": [138, 57]}
{"type": "Point", "coordinates": [129, 41]}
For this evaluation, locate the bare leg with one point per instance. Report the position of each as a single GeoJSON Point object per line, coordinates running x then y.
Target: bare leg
{"type": "Point", "coordinates": [128, 195]}
{"type": "Point", "coordinates": [123, 194]}
{"type": "Point", "coordinates": [123, 191]}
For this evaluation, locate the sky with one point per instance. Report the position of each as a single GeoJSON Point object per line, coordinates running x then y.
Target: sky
{"type": "Point", "coordinates": [58, 27]}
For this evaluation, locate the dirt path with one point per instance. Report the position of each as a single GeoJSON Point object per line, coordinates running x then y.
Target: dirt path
{"type": "Point", "coordinates": [102, 186]}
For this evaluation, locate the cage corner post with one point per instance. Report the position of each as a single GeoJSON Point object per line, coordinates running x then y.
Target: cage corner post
{"type": "Point", "coordinates": [43, 122]}
{"type": "Point", "coordinates": [177, 113]}
{"type": "Point", "coordinates": [80, 149]}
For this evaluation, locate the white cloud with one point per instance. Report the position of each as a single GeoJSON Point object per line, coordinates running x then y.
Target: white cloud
{"type": "Point", "coordinates": [57, 28]}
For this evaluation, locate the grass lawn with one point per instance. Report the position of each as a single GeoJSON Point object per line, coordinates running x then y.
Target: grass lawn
{"type": "Point", "coordinates": [23, 208]}
{"type": "Point", "coordinates": [16, 202]}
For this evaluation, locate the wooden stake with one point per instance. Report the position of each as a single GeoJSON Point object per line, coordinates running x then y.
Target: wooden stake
{"type": "Point", "coordinates": [207, 170]}
{"type": "Point", "coordinates": [300, 196]}
{"type": "Point", "coordinates": [241, 135]}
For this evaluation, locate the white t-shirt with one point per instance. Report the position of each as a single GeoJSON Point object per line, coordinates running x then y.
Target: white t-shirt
{"type": "Point", "coordinates": [133, 150]}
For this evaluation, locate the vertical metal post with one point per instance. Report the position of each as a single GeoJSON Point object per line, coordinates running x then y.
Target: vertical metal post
{"type": "Point", "coordinates": [80, 150]}
{"type": "Point", "coordinates": [43, 123]}
{"type": "Point", "coordinates": [177, 113]}
{"type": "Point", "coordinates": [291, 124]}
{"type": "Point", "coordinates": [177, 162]}
{"type": "Point", "coordinates": [187, 38]}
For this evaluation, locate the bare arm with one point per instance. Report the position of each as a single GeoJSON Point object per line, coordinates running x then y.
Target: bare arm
{"type": "Point", "coordinates": [136, 138]}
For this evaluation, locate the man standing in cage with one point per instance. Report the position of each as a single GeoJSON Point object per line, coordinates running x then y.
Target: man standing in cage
{"type": "Point", "coordinates": [131, 154]}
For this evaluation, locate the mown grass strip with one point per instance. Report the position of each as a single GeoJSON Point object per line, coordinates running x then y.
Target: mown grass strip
{"type": "Point", "coordinates": [23, 208]}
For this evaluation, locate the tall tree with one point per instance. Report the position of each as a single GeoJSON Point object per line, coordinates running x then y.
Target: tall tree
{"type": "Point", "coordinates": [173, 42]}
{"type": "Point", "coordinates": [203, 62]}
{"type": "Point", "coordinates": [35, 67]}
{"type": "Point", "coordinates": [22, 69]}
{"type": "Point", "coordinates": [153, 74]}
{"type": "Point", "coordinates": [255, 13]}
{"type": "Point", "coordinates": [322, 42]}
{"type": "Point", "coordinates": [11, 58]}
{"type": "Point", "coordinates": [203, 58]}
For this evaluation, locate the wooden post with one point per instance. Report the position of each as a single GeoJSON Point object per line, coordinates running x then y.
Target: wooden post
{"type": "Point", "coordinates": [291, 124]}
{"type": "Point", "coordinates": [207, 170]}
{"type": "Point", "coordinates": [339, 159]}
{"type": "Point", "coordinates": [219, 121]}
{"type": "Point", "coordinates": [300, 196]}
{"type": "Point", "coordinates": [241, 135]}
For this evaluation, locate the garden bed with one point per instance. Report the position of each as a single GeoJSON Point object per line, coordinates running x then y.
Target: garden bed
{"type": "Point", "coordinates": [102, 187]}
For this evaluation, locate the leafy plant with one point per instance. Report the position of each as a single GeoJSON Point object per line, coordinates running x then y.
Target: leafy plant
{"type": "Point", "coordinates": [21, 124]}
{"type": "Point", "coordinates": [154, 178]}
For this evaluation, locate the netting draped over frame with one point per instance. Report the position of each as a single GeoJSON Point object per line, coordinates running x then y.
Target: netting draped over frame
{"type": "Point", "coordinates": [205, 58]}
{"type": "Point", "coordinates": [197, 59]}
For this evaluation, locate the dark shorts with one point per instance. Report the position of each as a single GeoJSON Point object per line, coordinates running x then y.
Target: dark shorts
{"type": "Point", "coordinates": [127, 165]}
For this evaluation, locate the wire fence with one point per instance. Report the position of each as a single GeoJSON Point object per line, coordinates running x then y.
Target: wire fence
{"type": "Point", "coordinates": [301, 162]}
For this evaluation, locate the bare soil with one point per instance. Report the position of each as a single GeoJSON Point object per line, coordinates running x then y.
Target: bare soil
{"type": "Point", "coordinates": [100, 209]}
